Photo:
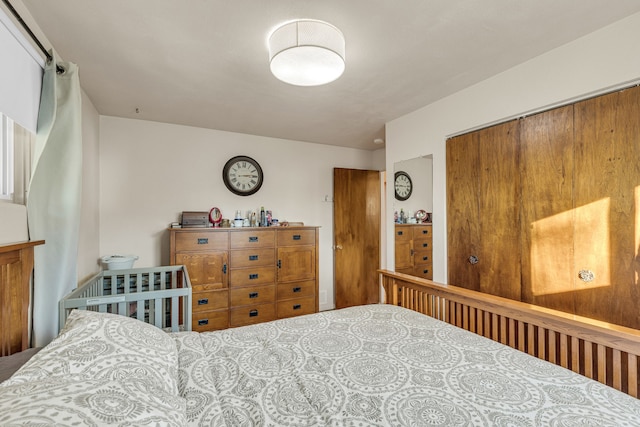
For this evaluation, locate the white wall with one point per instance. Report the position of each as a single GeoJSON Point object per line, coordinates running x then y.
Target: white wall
{"type": "Point", "coordinates": [150, 172]}
{"type": "Point", "coordinates": [89, 237]}
{"type": "Point", "coordinates": [600, 61]}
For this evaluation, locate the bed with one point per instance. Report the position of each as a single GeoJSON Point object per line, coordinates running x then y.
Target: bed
{"type": "Point", "coordinates": [374, 365]}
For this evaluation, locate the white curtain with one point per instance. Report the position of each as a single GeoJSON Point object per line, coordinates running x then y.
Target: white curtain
{"type": "Point", "coordinates": [53, 203]}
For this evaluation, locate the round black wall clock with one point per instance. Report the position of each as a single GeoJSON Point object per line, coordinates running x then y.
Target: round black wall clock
{"type": "Point", "coordinates": [242, 175]}
{"type": "Point", "coordinates": [402, 185]}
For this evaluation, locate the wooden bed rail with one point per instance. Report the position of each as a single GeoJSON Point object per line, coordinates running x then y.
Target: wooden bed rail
{"type": "Point", "coordinates": [604, 352]}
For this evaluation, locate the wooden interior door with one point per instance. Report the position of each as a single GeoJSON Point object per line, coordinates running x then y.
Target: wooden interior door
{"type": "Point", "coordinates": [356, 223]}
{"type": "Point", "coordinates": [547, 219]}
{"type": "Point", "coordinates": [607, 199]}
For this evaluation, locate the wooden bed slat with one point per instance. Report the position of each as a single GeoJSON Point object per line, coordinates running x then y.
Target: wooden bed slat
{"type": "Point", "coordinates": [604, 352]}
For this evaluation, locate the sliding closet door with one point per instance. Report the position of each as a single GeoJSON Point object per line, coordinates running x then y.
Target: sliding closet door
{"type": "Point", "coordinates": [483, 204]}
{"type": "Point", "coordinates": [463, 210]}
{"type": "Point", "coordinates": [547, 218]}
{"type": "Point", "coordinates": [607, 199]}
{"type": "Point", "coordinates": [500, 210]}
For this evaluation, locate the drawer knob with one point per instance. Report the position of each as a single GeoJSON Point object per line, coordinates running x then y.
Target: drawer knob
{"type": "Point", "coordinates": [253, 313]}
{"type": "Point", "coordinates": [253, 238]}
{"type": "Point", "coordinates": [203, 241]}
{"type": "Point", "coordinates": [425, 245]}
{"type": "Point", "coordinates": [253, 295]}
{"type": "Point", "coordinates": [473, 260]}
{"type": "Point", "coordinates": [425, 231]}
{"type": "Point", "coordinates": [297, 289]}
{"type": "Point", "coordinates": [253, 257]}
{"type": "Point", "coordinates": [253, 276]}
{"type": "Point", "coordinates": [297, 307]}
{"type": "Point", "coordinates": [425, 258]}
{"type": "Point", "coordinates": [203, 301]}
{"type": "Point", "coordinates": [296, 237]}
{"type": "Point", "coordinates": [400, 233]}
{"type": "Point", "coordinates": [203, 322]}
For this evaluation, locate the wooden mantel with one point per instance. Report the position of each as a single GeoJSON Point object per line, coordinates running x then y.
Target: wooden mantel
{"type": "Point", "coordinates": [16, 267]}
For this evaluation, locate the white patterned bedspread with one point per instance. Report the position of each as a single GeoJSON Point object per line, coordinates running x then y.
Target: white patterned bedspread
{"type": "Point", "coordinates": [376, 365]}
{"type": "Point", "coordinates": [382, 365]}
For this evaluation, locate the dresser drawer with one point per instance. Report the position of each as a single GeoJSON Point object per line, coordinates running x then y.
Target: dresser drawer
{"type": "Point", "coordinates": [205, 287]}
{"type": "Point", "coordinates": [201, 241]}
{"type": "Point", "coordinates": [251, 314]}
{"type": "Point", "coordinates": [252, 239]}
{"type": "Point", "coordinates": [253, 295]}
{"type": "Point", "coordinates": [296, 237]}
{"type": "Point", "coordinates": [209, 300]}
{"type": "Point", "coordinates": [403, 233]}
{"type": "Point", "coordinates": [209, 321]}
{"type": "Point", "coordinates": [422, 245]}
{"type": "Point", "coordinates": [422, 257]}
{"type": "Point", "coordinates": [252, 257]}
{"type": "Point", "coordinates": [296, 289]}
{"type": "Point", "coordinates": [423, 270]}
{"type": "Point", "coordinates": [421, 232]}
{"type": "Point", "coordinates": [296, 307]}
{"type": "Point", "coordinates": [252, 276]}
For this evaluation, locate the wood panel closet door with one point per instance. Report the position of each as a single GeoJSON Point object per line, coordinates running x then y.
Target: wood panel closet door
{"type": "Point", "coordinates": [607, 199]}
{"type": "Point", "coordinates": [463, 210]}
{"type": "Point", "coordinates": [483, 205]}
{"type": "Point", "coordinates": [547, 217]}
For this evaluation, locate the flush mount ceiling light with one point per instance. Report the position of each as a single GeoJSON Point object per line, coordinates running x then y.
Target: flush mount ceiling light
{"type": "Point", "coordinates": [306, 52]}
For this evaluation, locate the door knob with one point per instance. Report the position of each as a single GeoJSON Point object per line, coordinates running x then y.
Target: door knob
{"type": "Point", "coordinates": [338, 246]}
{"type": "Point", "coordinates": [586, 275]}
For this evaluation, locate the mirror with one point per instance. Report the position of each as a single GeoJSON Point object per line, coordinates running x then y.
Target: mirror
{"type": "Point", "coordinates": [420, 172]}
{"type": "Point", "coordinates": [414, 181]}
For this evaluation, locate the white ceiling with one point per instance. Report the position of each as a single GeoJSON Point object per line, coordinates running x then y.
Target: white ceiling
{"type": "Point", "coordinates": [205, 63]}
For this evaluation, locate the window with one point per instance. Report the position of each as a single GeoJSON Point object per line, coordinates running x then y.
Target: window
{"type": "Point", "coordinates": [16, 146]}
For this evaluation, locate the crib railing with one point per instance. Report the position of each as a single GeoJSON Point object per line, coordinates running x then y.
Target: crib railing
{"type": "Point", "coordinates": [604, 352]}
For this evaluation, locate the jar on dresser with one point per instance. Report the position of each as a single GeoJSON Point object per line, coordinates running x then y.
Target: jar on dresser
{"type": "Point", "coordinates": [242, 276]}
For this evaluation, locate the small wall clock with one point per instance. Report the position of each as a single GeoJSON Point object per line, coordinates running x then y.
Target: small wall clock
{"type": "Point", "coordinates": [242, 175]}
{"type": "Point", "coordinates": [402, 185]}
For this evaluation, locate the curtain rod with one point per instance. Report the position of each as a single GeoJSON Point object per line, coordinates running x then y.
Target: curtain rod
{"type": "Point", "coordinates": [27, 29]}
{"type": "Point", "coordinates": [14, 12]}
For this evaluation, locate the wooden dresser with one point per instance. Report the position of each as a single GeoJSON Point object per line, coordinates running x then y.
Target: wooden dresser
{"type": "Point", "coordinates": [16, 266]}
{"type": "Point", "coordinates": [242, 276]}
{"type": "Point", "coordinates": [413, 252]}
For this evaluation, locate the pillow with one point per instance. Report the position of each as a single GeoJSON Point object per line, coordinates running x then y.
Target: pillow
{"type": "Point", "coordinates": [106, 346]}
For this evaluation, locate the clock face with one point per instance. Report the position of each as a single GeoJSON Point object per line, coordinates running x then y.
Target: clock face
{"type": "Point", "coordinates": [402, 185]}
{"type": "Point", "coordinates": [242, 175]}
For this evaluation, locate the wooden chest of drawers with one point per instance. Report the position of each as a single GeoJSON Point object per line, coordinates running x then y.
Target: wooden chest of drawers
{"type": "Point", "coordinates": [413, 252]}
{"type": "Point", "coordinates": [248, 275]}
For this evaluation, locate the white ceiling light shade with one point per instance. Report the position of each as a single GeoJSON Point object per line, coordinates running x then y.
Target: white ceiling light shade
{"type": "Point", "coordinates": [307, 52]}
